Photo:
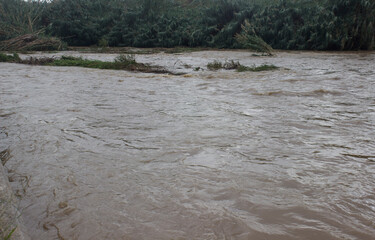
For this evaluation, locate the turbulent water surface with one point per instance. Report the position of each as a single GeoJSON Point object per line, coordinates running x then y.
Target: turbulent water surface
{"type": "Point", "coordinates": [285, 154]}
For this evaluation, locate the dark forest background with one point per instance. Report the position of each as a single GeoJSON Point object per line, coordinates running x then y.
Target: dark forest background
{"type": "Point", "coordinates": [283, 24]}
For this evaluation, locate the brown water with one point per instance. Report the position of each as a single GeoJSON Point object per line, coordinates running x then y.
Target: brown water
{"type": "Point", "coordinates": [286, 154]}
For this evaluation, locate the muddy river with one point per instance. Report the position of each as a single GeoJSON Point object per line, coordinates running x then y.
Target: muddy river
{"type": "Point", "coordinates": [284, 154]}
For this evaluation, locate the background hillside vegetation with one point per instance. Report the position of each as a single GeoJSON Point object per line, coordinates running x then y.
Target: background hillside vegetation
{"type": "Point", "coordinates": [280, 24]}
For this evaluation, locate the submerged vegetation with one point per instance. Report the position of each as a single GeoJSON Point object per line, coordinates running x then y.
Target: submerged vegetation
{"type": "Point", "coordinates": [264, 67]}
{"type": "Point", "coordinates": [122, 62]}
{"type": "Point", "coordinates": [257, 25]}
{"type": "Point", "coordinates": [9, 58]}
{"type": "Point", "coordinates": [228, 65]}
{"type": "Point", "coordinates": [125, 62]}
{"type": "Point", "coordinates": [232, 65]}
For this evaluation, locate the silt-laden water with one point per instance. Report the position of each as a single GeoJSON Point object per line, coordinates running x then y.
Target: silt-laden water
{"type": "Point", "coordinates": [285, 154]}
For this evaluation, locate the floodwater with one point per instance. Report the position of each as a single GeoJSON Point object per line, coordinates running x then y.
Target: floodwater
{"type": "Point", "coordinates": [285, 154]}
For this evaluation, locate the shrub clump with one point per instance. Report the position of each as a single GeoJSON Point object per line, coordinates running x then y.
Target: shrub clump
{"type": "Point", "coordinates": [215, 65]}
{"type": "Point", "coordinates": [230, 65]}
{"type": "Point", "coordinates": [263, 67]}
{"type": "Point", "coordinates": [9, 58]}
{"type": "Point", "coordinates": [236, 65]}
{"type": "Point", "coordinates": [127, 59]}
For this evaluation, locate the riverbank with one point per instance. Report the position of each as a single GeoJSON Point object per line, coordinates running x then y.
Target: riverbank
{"type": "Point", "coordinates": [10, 218]}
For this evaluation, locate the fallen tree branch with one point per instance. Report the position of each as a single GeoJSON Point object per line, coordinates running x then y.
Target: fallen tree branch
{"type": "Point", "coordinates": [31, 42]}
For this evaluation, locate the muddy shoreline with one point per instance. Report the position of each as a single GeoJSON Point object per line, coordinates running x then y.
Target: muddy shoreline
{"type": "Point", "coordinates": [10, 218]}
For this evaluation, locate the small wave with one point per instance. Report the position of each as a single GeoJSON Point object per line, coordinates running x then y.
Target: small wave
{"type": "Point", "coordinates": [293, 80]}
{"type": "Point", "coordinates": [369, 157]}
{"type": "Point", "coordinates": [7, 114]}
{"type": "Point", "coordinates": [336, 146]}
{"type": "Point", "coordinates": [321, 92]}
{"type": "Point", "coordinates": [346, 104]}
{"type": "Point", "coordinates": [272, 93]}
{"type": "Point", "coordinates": [315, 93]}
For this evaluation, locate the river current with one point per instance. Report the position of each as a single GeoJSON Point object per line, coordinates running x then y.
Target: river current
{"type": "Point", "coordinates": [284, 154]}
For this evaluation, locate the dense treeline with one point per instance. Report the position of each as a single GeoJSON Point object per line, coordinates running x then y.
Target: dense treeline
{"type": "Point", "coordinates": [284, 24]}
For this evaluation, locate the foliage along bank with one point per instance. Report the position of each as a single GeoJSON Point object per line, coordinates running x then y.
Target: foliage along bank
{"type": "Point", "coordinates": [283, 24]}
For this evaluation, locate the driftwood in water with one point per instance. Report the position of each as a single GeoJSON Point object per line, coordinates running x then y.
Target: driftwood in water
{"type": "Point", "coordinates": [30, 42]}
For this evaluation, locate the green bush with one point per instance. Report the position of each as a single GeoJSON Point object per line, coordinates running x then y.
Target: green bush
{"type": "Point", "coordinates": [9, 58]}
{"type": "Point", "coordinates": [126, 59]}
{"type": "Point", "coordinates": [215, 65]}
{"type": "Point", "coordinates": [264, 67]}
{"type": "Point", "coordinates": [103, 43]}
{"type": "Point", "coordinates": [232, 65]}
